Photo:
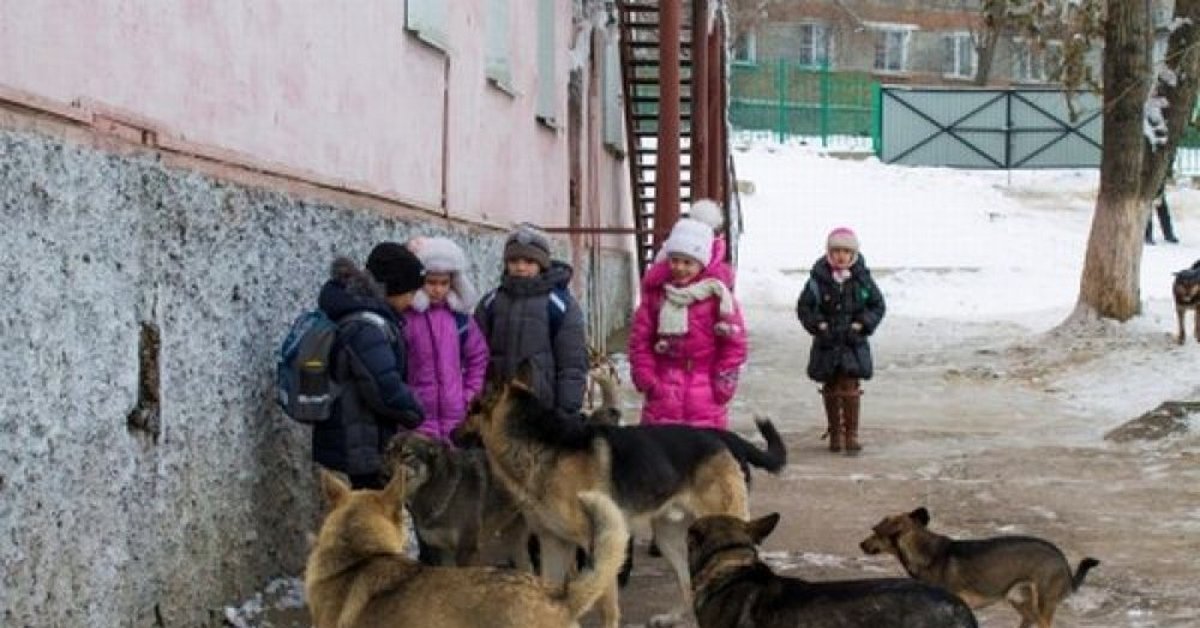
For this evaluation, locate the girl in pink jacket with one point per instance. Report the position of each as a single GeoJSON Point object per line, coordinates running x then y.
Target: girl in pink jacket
{"type": "Point", "coordinates": [447, 353]}
{"type": "Point", "coordinates": [688, 340]}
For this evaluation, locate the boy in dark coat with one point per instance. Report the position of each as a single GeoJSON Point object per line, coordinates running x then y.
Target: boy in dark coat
{"type": "Point", "coordinates": [841, 306]}
{"type": "Point", "coordinates": [532, 317]}
{"type": "Point", "coordinates": [369, 361]}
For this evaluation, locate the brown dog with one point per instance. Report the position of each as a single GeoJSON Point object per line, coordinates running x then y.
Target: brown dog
{"type": "Point", "coordinates": [734, 589]}
{"type": "Point", "coordinates": [463, 516]}
{"type": "Point", "coordinates": [1186, 290]}
{"type": "Point", "coordinates": [1031, 573]}
{"type": "Point", "coordinates": [358, 575]}
{"type": "Point", "coordinates": [665, 474]}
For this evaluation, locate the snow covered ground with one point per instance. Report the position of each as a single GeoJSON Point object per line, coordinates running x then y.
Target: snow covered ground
{"type": "Point", "coordinates": [959, 247]}
{"type": "Point", "coordinates": [982, 408]}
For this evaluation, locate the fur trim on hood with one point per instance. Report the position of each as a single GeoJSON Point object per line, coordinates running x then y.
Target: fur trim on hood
{"type": "Point", "coordinates": [443, 255]}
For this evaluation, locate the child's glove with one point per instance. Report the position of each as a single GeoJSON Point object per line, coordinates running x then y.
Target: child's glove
{"type": "Point", "coordinates": [724, 387]}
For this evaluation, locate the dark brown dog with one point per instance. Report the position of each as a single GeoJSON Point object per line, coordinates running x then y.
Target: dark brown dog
{"type": "Point", "coordinates": [1031, 573]}
{"type": "Point", "coordinates": [734, 589]}
{"type": "Point", "coordinates": [461, 514]}
{"type": "Point", "coordinates": [1186, 290]}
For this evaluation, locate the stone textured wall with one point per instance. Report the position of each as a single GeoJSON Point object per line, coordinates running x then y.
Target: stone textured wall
{"type": "Point", "coordinates": [146, 477]}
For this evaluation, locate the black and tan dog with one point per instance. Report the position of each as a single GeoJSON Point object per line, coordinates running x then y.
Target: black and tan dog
{"type": "Point", "coordinates": [667, 475]}
{"type": "Point", "coordinates": [1186, 289]}
{"type": "Point", "coordinates": [1031, 573]}
{"type": "Point", "coordinates": [358, 575]}
{"type": "Point", "coordinates": [461, 515]}
{"type": "Point", "coordinates": [735, 589]}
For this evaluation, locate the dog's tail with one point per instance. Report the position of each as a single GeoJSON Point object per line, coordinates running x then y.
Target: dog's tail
{"type": "Point", "coordinates": [1081, 572]}
{"type": "Point", "coordinates": [773, 459]}
{"type": "Point", "coordinates": [609, 536]}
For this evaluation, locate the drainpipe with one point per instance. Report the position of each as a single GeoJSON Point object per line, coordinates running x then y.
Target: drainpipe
{"type": "Point", "coordinates": [718, 166]}
{"type": "Point", "coordinates": [666, 172]}
{"type": "Point", "coordinates": [701, 159]}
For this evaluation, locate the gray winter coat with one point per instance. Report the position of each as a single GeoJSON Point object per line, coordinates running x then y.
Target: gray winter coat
{"type": "Point", "coordinates": [518, 319]}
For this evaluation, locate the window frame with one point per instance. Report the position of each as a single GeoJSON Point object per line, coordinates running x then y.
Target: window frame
{"type": "Point", "coordinates": [426, 19]}
{"type": "Point", "coordinates": [881, 32]}
{"type": "Point", "coordinates": [819, 47]}
{"type": "Point", "coordinates": [497, 46]}
{"type": "Point", "coordinates": [954, 56]}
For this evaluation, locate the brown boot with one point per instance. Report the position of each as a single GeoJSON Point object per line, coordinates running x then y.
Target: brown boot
{"type": "Point", "coordinates": [850, 405]}
{"type": "Point", "coordinates": [833, 414]}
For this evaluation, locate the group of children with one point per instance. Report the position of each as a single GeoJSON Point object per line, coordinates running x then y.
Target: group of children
{"type": "Point", "coordinates": [422, 354]}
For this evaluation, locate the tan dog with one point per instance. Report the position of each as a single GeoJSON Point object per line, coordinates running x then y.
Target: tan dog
{"type": "Point", "coordinates": [358, 575]}
{"type": "Point", "coordinates": [667, 475]}
{"type": "Point", "coordinates": [1186, 290]}
{"type": "Point", "coordinates": [1031, 573]}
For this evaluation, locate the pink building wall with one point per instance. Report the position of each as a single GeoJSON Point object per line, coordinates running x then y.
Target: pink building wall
{"type": "Point", "coordinates": [340, 89]}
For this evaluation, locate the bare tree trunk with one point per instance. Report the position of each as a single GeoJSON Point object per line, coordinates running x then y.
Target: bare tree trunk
{"type": "Point", "coordinates": [995, 23]}
{"type": "Point", "coordinates": [1109, 287]}
{"type": "Point", "coordinates": [1183, 60]}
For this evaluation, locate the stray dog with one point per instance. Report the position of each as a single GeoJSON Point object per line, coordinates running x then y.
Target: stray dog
{"type": "Point", "coordinates": [358, 575]}
{"type": "Point", "coordinates": [735, 589]}
{"type": "Point", "coordinates": [666, 474]}
{"type": "Point", "coordinates": [456, 507]}
{"type": "Point", "coordinates": [603, 376]}
{"type": "Point", "coordinates": [1186, 289]}
{"type": "Point", "coordinates": [1031, 573]}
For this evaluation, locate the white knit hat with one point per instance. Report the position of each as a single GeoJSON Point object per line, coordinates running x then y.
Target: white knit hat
{"type": "Point", "coordinates": [690, 238]}
{"type": "Point", "coordinates": [443, 255]}
{"type": "Point", "coordinates": [708, 212]}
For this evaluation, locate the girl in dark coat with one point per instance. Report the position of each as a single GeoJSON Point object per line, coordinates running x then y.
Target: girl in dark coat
{"type": "Point", "coordinates": [841, 306]}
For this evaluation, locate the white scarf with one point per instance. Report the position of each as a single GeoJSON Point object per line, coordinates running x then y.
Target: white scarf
{"type": "Point", "coordinates": [673, 317]}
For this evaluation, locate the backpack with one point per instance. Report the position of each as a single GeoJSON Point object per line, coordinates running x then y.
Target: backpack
{"type": "Point", "coordinates": [304, 386]}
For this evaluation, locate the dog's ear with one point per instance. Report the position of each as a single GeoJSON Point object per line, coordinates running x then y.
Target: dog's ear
{"type": "Point", "coordinates": [334, 488]}
{"type": "Point", "coordinates": [920, 515]}
{"type": "Point", "coordinates": [525, 375]}
{"type": "Point", "coordinates": [393, 493]}
{"type": "Point", "coordinates": [760, 528]}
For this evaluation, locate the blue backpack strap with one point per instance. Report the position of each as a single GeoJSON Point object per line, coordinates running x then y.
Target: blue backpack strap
{"type": "Point", "coordinates": [462, 322]}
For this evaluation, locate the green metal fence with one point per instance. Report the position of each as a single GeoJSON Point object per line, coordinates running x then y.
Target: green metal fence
{"type": "Point", "coordinates": [788, 98]}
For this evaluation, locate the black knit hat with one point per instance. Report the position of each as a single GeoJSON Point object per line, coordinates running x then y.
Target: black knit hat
{"type": "Point", "coordinates": [396, 267]}
{"type": "Point", "coordinates": [528, 242]}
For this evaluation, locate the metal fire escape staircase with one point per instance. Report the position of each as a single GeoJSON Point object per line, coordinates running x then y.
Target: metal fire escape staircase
{"type": "Point", "coordinates": [640, 66]}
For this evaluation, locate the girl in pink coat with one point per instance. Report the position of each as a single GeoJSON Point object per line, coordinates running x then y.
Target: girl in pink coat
{"type": "Point", "coordinates": [688, 340]}
{"type": "Point", "coordinates": [447, 353]}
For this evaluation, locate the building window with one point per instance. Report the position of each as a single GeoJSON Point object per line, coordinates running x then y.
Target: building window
{"type": "Point", "coordinates": [961, 58]}
{"type": "Point", "coordinates": [427, 20]}
{"type": "Point", "coordinates": [498, 68]}
{"type": "Point", "coordinates": [745, 48]}
{"type": "Point", "coordinates": [891, 49]}
{"type": "Point", "coordinates": [814, 44]}
{"type": "Point", "coordinates": [547, 101]}
{"type": "Point", "coordinates": [1036, 64]}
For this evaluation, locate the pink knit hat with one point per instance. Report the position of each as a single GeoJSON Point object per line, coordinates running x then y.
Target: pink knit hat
{"type": "Point", "coordinates": [842, 238]}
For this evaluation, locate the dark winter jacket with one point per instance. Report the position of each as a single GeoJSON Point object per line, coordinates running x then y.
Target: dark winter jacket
{"type": "Point", "coordinates": [516, 320]}
{"type": "Point", "coordinates": [369, 361]}
{"type": "Point", "coordinates": [839, 349]}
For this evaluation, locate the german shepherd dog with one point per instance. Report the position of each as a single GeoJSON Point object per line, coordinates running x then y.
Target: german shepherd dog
{"type": "Point", "coordinates": [456, 507]}
{"type": "Point", "coordinates": [1031, 573]}
{"type": "Point", "coordinates": [735, 589]}
{"type": "Point", "coordinates": [358, 575]}
{"type": "Point", "coordinates": [666, 474]}
{"type": "Point", "coordinates": [1186, 289]}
